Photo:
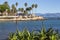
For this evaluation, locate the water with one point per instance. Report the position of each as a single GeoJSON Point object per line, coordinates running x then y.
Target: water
{"type": "Point", "coordinates": [6, 27]}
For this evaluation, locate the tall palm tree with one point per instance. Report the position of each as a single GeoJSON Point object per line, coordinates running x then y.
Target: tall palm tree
{"type": "Point", "coordinates": [29, 9]}
{"type": "Point", "coordinates": [36, 6]}
{"type": "Point", "coordinates": [16, 18]}
{"type": "Point", "coordinates": [16, 4]}
{"type": "Point", "coordinates": [14, 9]}
{"type": "Point", "coordinates": [13, 6]}
{"type": "Point", "coordinates": [6, 6]}
{"type": "Point", "coordinates": [5, 3]}
{"type": "Point", "coordinates": [22, 10]}
{"type": "Point", "coordinates": [33, 5]}
{"type": "Point", "coordinates": [25, 4]}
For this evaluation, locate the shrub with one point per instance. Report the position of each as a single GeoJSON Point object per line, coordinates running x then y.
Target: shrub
{"type": "Point", "coordinates": [50, 34]}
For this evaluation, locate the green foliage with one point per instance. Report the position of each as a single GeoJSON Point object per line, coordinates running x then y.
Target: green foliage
{"type": "Point", "coordinates": [4, 6]}
{"type": "Point", "coordinates": [13, 10]}
{"type": "Point", "coordinates": [28, 9]}
{"type": "Point", "coordinates": [36, 5]}
{"type": "Point", "coordinates": [16, 3]}
{"type": "Point", "coordinates": [50, 34]}
{"type": "Point", "coordinates": [25, 12]}
{"type": "Point", "coordinates": [25, 4]}
{"type": "Point", "coordinates": [21, 9]}
{"type": "Point", "coordinates": [33, 5]}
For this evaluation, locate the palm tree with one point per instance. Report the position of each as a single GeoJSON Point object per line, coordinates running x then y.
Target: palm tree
{"type": "Point", "coordinates": [33, 5]}
{"type": "Point", "coordinates": [6, 6]}
{"type": "Point", "coordinates": [25, 4]}
{"type": "Point", "coordinates": [16, 18]}
{"type": "Point", "coordinates": [16, 4]}
{"type": "Point", "coordinates": [25, 12]}
{"type": "Point", "coordinates": [13, 6]}
{"type": "Point", "coordinates": [21, 9]}
{"type": "Point", "coordinates": [13, 9]}
{"type": "Point", "coordinates": [6, 3]}
{"type": "Point", "coordinates": [29, 9]}
{"type": "Point", "coordinates": [36, 6]}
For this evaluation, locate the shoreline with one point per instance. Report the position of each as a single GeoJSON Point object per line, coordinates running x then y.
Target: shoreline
{"type": "Point", "coordinates": [18, 18]}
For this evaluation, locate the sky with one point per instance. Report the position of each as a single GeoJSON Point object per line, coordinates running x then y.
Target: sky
{"type": "Point", "coordinates": [44, 6]}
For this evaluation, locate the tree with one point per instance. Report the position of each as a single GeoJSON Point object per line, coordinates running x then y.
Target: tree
{"type": "Point", "coordinates": [21, 9]}
{"type": "Point", "coordinates": [13, 10]}
{"type": "Point", "coordinates": [5, 3]}
{"type": "Point", "coordinates": [4, 6]}
{"type": "Point", "coordinates": [33, 5]}
{"type": "Point", "coordinates": [36, 6]}
{"type": "Point", "coordinates": [16, 4]}
{"type": "Point", "coordinates": [25, 12]}
{"type": "Point", "coordinates": [18, 9]}
{"type": "Point", "coordinates": [29, 9]}
{"type": "Point", "coordinates": [25, 4]}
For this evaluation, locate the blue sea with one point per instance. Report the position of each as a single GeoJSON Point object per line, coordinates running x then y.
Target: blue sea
{"type": "Point", "coordinates": [10, 26]}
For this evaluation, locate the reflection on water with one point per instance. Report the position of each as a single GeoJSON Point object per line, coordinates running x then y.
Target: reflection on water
{"type": "Point", "coordinates": [6, 27]}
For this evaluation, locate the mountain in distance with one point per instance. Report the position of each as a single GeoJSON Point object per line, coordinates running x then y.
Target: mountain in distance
{"type": "Point", "coordinates": [49, 14]}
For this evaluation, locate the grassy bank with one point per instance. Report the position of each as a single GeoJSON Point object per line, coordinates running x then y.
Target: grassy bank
{"type": "Point", "coordinates": [42, 34]}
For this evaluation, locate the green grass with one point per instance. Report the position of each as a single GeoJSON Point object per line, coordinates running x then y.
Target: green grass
{"type": "Point", "coordinates": [43, 34]}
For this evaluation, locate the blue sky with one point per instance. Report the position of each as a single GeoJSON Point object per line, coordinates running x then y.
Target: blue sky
{"type": "Point", "coordinates": [44, 6]}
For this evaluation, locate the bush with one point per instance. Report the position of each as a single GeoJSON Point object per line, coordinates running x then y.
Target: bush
{"type": "Point", "coordinates": [50, 34]}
